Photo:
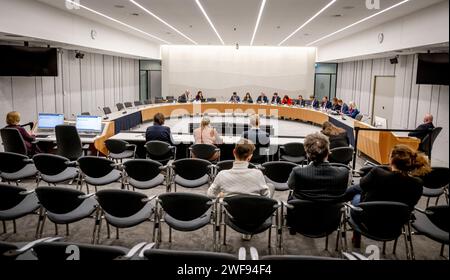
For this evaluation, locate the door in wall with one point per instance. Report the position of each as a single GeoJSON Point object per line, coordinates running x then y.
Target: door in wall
{"type": "Point", "coordinates": [383, 99]}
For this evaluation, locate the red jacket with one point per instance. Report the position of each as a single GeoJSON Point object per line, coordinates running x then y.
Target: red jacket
{"type": "Point", "coordinates": [287, 101]}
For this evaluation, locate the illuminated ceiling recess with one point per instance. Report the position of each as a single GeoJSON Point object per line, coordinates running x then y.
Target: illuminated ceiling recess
{"type": "Point", "coordinates": [162, 21]}
{"type": "Point", "coordinates": [116, 21]}
{"type": "Point", "coordinates": [358, 22]}
{"type": "Point", "coordinates": [307, 22]}
{"type": "Point", "coordinates": [261, 9]}
{"type": "Point", "coordinates": [209, 20]}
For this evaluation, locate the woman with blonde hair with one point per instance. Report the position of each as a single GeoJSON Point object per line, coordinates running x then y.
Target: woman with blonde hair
{"type": "Point", "coordinates": [338, 137]}
{"type": "Point", "coordinates": [13, 121]}
{"type": "Point", "coordinates": [206, 134]}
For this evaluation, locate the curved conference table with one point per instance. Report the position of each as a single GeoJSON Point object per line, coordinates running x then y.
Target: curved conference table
{"type": "Point", "coordinates": [375, 144]}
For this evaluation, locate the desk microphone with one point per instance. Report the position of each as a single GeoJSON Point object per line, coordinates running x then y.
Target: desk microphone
{"type": "Point", "coordinates": [105, 117]}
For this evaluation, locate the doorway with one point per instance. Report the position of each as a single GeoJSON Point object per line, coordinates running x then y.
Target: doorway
{"type": "Point", "coordinates": [383, 101]}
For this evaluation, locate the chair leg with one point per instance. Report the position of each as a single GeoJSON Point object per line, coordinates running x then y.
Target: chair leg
{"type": "Point", "coordinates": [413, 257]}
{"type": "Point", "coordinates": [108, 230]}
{"type": "Point", "coordinates": [117, 233]}
{"type": "Point", "coordinates": [96, 223]}
{"type": "Point", "coordinates": [437, 201]}
{"type": "Point", "coordinates": [4, 226]}
{"type": "Point", "coordinates": [224, 234]}
{"type": "Point", "coordinates": [67, 229]}
{"type": "Point", "coordinates": [56, 229]}
{"type": "Point", "coordinates": [442, 250]}
{"type": "Point", "coordinates": [270, 237]}
{"type": "Point", "coordinates": [394, 249]}
{"type": "Point", "coordinates": [326, 243]}
{"type": "Point", "coordinates": [87, 188]}
{"type": "Point", "coordinates": [170, 234]}
{"type": "Point", "coordinates": [40, 218]}
{"type": "Point", "coordinates": [14, 226]}
{"type": "Point", "coordinates": [384, 248]}
{"type": "Point", "coordinates": [42, 225]}
{"type": "Point", "coordinates": [99, 228]}
{"type": "Point", "coordinates": [428, 201]}
{"type": "Point", "coordinates": [406, 243]}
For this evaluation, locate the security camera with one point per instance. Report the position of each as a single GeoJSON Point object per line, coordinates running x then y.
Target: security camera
{"type": "Point", "coordinates": [79, 55]}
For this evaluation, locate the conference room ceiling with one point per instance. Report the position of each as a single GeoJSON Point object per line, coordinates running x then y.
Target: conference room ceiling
{"type": "Point", "coordinates": [235, 20]}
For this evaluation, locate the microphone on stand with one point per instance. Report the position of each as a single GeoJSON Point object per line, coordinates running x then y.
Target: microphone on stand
{"type": "Point", "coordinates": [105, 117]}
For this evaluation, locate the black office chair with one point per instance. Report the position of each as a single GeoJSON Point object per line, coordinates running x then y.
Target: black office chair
{"type": "Point", "coordinates": [144, 174]}
{"type": "Point", "coordinates": [314, 219]}
{"type": "Point", "coordinates": [19, 250]}
{"type": "Point", "coordinates": [170, 99]}
{"type": "Point", "coordinates": [128, 105]}
{"type": "Point", "coordinates": [120, 106]}
{"type": "Point", "coordinates": [277, 173]}
{"type": "Point", "coordinates": [359, 117]}
{"type": "Point", "coordinates": [160, 151]}
{"type": "Point", "coordinates": [433, 223]}
{"type": "Point", "coordinates": [118, 150]}
{"type": "Point", "coordinates": [138, 103]}
{"type": "Point", "coordinates": [68, 142]}
{"type": "Point", "coordinates": [123, 209]}
{"type": "Point", "coordinates": [60, 251]}
{"type": "Point", "coordinates": [186, 212]}
{"type": "Point", "coordinates": [293, 152]}
{"type": "Point", "coordinates": [428, 141]}
{"type": "Point", "coordinates": [158, 100]}
{"type": "Point", "coordinates": [211, 99]}
{"type": "Point", "coordinates": [54, 169]}
{"type": "Point", "coordinates": [15, 203]}
{"type": "Point", "coordinates": [148, 102]}
{"type": "Point", "coordinates": [204, 151]}
{"type": "Point", "coordinates": [382, 221]}
{"type": "Point", "coordinates": [255, 257]}
{"type": "Point", "coordinates": [16, 167]}
{"type": "Point", "coordinates": [85, 114]}
{"type": "Point", "coordinates": [107, 110]}
{"type": "Point", "coordinates": [168, 256]}
{"type": "Point", "coordinates": [342, 155]}
{"type": "Point", "coordinates": [227, 165]}
{"type": "Point", "coordinates": [13, 142]}
{"type": "Point", "coordinates": [97, 171]}
{"type": "Point", "coordinates": [64, 206]}
{"type": "Point", "coordinates": [191, 173]}
{"type": "Point", "coordinates": [436, 184]}
{"type": "Point", "coordinates": [248, 214]}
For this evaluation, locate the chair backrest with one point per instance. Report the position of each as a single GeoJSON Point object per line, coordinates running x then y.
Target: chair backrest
{"type": "Point", "coordinates": [439, 216]}
{"type": "Point", "coordinates": [120, 203]}
{"type": "Point", "coordinates": [95, 167]}
{"type": "Point", "coordinates": [382, 220]}
{"type": "Point", "coordinates": [437, 178]}
{"type": "Point", "coordinates": [191, 168]}
{"type": "Point", "coordinates": [120, 106]}
{"type": "Point", "coordinates": [128, 104]}
{"type": "Point", "coordinates": [13, 141]}
{"type": "Point", "coordinates": [185, 206]}
{"type": "Point", "coordinates": [425, 145]}
{"type": "Point", "coordinates": [49, 164]}
{"type": "Point", "coordinates": [107, 110]}
{"type": "Point", "coordinates": [296, 258]}
{"type": "Point", "coordinates": [228, 164]}
{"type": "Point", "coordinates": [12, 162]}
{"type": "Point", "coordinates": [142, 169]}
{"type": "Point", "coordinates": [294, 149]}
{"type": "Point", "coordinates": [249, 210]}
{"type": "Point", "coordinates": [314, 219]}
{"type": "Point", "coordinates": [59, 200]}
{"type": "Point", "coordinates": [147, 102]}
{"type": "Point", "coordinates": [211, 99]}
{"type": "Point", "coordinates": [359, 117]}
{"type": "Point", "coordinates": [85, 114]}
{"type": "Point", "coordinates": [162, 255]}
{"type": "Point", "coordinates": [343, 155]}
{"type": "Point", "coordinates": [57, 251]}
{"type": "Point", "coordinates": [116, 146]}
{"type": "Point", "coordinates": [137, 103]}
{"type": "Point", "coordinates": [278, 171]}
{"type": "Point", "coordinates": [158, 150]}
{"type": "Point", "coordinates": [158, 99]}
{"type": "Point", "coordinates": [10, 196]}
{"type": "Point", "coordinates": [68, 142]}
{"type": "Point", "coordinates": [203, 151]}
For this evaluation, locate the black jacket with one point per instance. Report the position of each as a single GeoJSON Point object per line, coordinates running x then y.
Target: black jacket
{"type": "Point", "coordinates": [338, 141]}
{"type": "Point", "coordinates": [422, 130]}
{"type": "Point", "coordinates": [160, 133]}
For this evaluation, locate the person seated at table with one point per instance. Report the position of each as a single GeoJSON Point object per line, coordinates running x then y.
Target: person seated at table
{"type": "Point", "coordinates": [335, 105]}
{"type": "Point", "coordinates": [235, 98]}
{"type": "Point", "coordinates": [259, 137]}
{"type": "Point", "coordinates": [158, 131]}
{"type": "Point", "coordinates": [286, 100]}
{"type": "Point", "coordinates": [314, 102]}
{"type": "Point", "coordinates": [262, 98]}
{"type": "Point", "coordinates": [300, 101]}
{"type": "Point", "coordinates": [276, 99]}
{"type": "Point", "coordinates": [206, 134]}
{"type": "Point", "coordinates": [337, 136]}
{"type": "Point", "coordinates": [13, 121]}
{"type": "Point", "coordinates": [319, 180]}
{"type": "Point", "coordinates": [248, 98]}
{"type": "Point", "coordinates": [326, 104]}
{"type": "Point", "coordinates": [344, 107]}
{"type": "Point", "coordinates": [352, 110]}
{"type": "Point", "coordinates": [199, 97]}
{"type": "Point", "coordinates": [423, 130]}
{"type": "Point", "coordinates": [184, 97]}
{"type": "Point", "coordinates": [397, 182]}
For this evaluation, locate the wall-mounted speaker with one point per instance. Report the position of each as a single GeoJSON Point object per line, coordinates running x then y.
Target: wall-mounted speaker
{"type": "Point", "coordinates": [394, 60]}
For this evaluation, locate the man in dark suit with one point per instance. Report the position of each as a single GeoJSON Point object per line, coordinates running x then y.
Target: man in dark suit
{"type": "Point", "coordinates": [184, 97]}
{"type": "Point", "coordinates": [344, 107]}
{"type": "Point", "coordinates": [423, 129]}
{"type": "Point", "coordinates": [158, 131]}
{"type": "Point", "coordinates": [262, 98]}
{"type": "Point", "coordinates": [235, 98]}
{"type": "Point", "coordinates": [276, 99]}
{"type": "Point", "coordinates": [260, 138]}
{"type": "Point", "coordinates": [300, 101]}
{"type": "Point", "coordinates": [326, 104]}
{"type": "Point", "coordinates": [319, 180]}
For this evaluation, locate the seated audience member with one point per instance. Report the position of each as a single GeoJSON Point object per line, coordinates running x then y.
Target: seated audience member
{"type": "Point", "coordinates": [423, 129]}
{"type": "Point", "coordinates": [335, 105]}
{"type": "Point", "coordinates": [262, 98]}
{"type": "Point", "coordinates": [344, 107]}
{"type": "Point", "coordinates": [352, 110]}
{"type": "Point", "coordinates": [337, 136]}
{"type": "Point", "coordinates": [259, 137]}
{"type": "Point", "coordinates": [199, 97]}
{"type": "Point", "coordinates": [276, 99]}
{"type": "Point", "coordinates": [248, 98]}
{"type": "Point", "coordinates": [300, 101]}
{"type": "Point", "coordinates": [286, 100]}
{"type": "Point", "coordinates": [235, 98]}
{"type": "Point", "coordinates": [326, 104]}
{"type": "Point", "coordinates": [13, 121]}
{"type": "Point", "coordinates": [314, 102]}
{"type": "Point", "coordinates": [184, 97]}
{"type": "Point", "coordinates": [398, 182]}
{"type": "Point", "coordinates": [158, 131]}
{"type": "Point", "coordinates": [206, 134]}
{"type": "Point", "coordinates": [319, 180]}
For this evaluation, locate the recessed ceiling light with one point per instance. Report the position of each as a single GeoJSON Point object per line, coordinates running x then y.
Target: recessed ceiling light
{"type": "Point", "coordinates": [278, 27]}
{"type": "Point", "coordinates": [168, 33]}
{"type": "Point", "coordinates": [336, 15]}
{"type": "Point", "coordinates": [307, 22]}
{"type": "Point", "coordinates": [306, 34]}
{"type": "Point", "coordinates": [190, 26]}
{"type": "Point", "coordinates": [209, 20]}
{"type": "Point", "coordinates": [358, 22]}
{"type": "Point", "coordinates": [348, 7]}
{"type": "Point", "coordinates": [116, 21]}
{"type": "Point", "coordinates": [258, 19]}
{"type": "Point", "coordinates": [135, 14]}
{"type": "Point", "coordinates": [119, 6]}
{"type": "Point", "coordinates": [161, 20]}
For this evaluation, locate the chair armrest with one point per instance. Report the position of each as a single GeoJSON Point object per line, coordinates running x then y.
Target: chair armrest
{"type": "Point", "coordinates": [420, 210]}
{"type": "Point", "coordinates": [254, 254]}
{"type": "Point", "coordinates": [72, 164]}
{"type": "Point", "coordinates": [242, 254]}
{"type": "Point", "coordinates": [287, 205]}
{"type": "Point", "coordinates": [352, 207]}
{"type": "Point", "coordinates": [26, 192]}
{"type": "Point", "coordinates": [278, 205]}
{"type": "Point", "coordinates": [360, 257]}
{"type": "Point", "coordinates": [146, 247]}
{"type": "Point", "coordinates": [86, 196]}
{"type": "Point", "coordinates": [162, 168]}
{"type": "Point", "coordinates": [85, 147]}
{"type": "Point", "coordinates": [27, 160]}
{"type": "Point", "coordinates": [30, 245]}
{"type": "Point", "coordinates": [349, 256]}
{"type": "Point", "coordinates": [147, 199]}
{"type": "Point", "coordinates": [133, 251]}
